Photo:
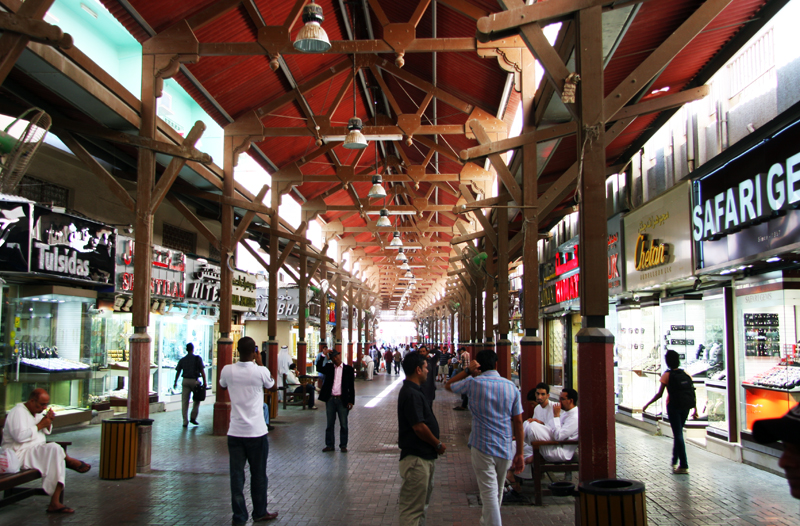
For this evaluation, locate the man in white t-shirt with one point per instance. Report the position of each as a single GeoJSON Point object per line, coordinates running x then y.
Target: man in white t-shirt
{"type": "Point", "coordinates": [247, 432]}
{"type": "Point", "coordinates": [542, 414]}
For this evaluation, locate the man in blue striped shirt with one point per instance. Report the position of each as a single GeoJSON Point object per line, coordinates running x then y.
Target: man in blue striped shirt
{"type": "Point", "coordinates": [496, 420]}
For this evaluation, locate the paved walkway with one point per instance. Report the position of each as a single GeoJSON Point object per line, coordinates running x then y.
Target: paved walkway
{"type": "Point", "coordinates": [189, 483]}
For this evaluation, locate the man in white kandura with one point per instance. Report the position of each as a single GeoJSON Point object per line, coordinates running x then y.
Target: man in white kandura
{"type": "Point", "coordinates": [369, 366]}
{"type": "Point", "coordinates": [25, 431]}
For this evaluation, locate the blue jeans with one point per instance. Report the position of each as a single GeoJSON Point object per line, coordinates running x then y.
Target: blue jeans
{"type": "Point", "coordinates": [677, 419]}
{"type": "Point", "coordinates": [333, 407]}
{"type": "Point", "coordinates": [254, 451]}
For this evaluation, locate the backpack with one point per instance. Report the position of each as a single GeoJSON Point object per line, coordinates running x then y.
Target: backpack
{"type": "Point", "coordinates": [320, 363]}
{"type": "Point", "coordinates": [681, 389]}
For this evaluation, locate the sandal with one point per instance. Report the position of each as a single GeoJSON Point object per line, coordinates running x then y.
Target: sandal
{"type": "Point", "coordinates": [83, 467]}
{"type": "Point", "coordinates": [62, 509]}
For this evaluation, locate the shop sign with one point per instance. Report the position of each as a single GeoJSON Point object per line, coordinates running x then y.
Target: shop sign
{"type": "Point", "coordinates": [202, 281]}
{"type": "Point", "coordinates": [749, 206]}
{"type": "Point", "coordinates": [657, 244]}
{"type": "Point", "coordinates": [616, 272]}
{"type": "Point", "coordinates": [166, 276]}
{"type": "Point", "coordinates": [244, 291]}
{"type": "Point", "coordinates": [288, 305]}
{"type": "Point", "coordinates": [15, 234]}
{"type": "Point", "coordinates": [71, 247]}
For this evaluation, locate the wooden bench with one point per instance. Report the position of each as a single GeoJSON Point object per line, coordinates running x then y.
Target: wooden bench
{"type": "Point", "coordinates": [539, 466]}
{"type": "Point", "coordinates": [9, 482]}
{"type": "Point", "coordinates": [296, 398]}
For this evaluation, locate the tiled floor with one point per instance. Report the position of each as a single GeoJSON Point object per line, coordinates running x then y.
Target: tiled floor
{"type": "Point", "coordinates": [189, 483]}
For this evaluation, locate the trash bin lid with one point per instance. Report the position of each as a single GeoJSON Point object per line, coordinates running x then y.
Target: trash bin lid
{"type": "Point", "coordinates": [120, 420]}
{"type": "Point", "coordinates": [611, 487]}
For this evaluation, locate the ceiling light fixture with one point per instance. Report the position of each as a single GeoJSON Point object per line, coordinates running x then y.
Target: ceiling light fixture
{"type": "Point", "coordinates": [355, 140]}
{"type": "Point", "coordinates": [376, 192]}
{"type": "Point", "coordinates": [396, 241]}
{"type": "Point", "coordinates": [312, 38]}
{"type": "Point", "coordinates": [401, 256]}
{"type": "Point", "coordinates": [405, 266]}
{"type": "Point", "coordinates": [383, 220]}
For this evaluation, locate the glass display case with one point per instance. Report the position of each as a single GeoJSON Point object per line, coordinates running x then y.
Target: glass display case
{"type": "Point", "coordinates": [638, 349]}
{"type": "Point", "coordinates": [554, 368]}
{"type": "Point", "coordinates": [714, 352]}
{"type": "Point", "coordinates": [770, 367]}
{"type": "Point", "coordinates": [173, 333]}
{"type": "Point", "coordinates": [46, 343]}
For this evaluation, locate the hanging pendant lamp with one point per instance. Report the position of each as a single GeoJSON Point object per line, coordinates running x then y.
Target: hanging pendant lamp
{"type": "Point", "coordinates": [312, 38]}
{"type": "Point", "coordinates": [384, 219]}
{"type": "Point", "coordinates": [401, 256]}
{"type": "Point", "coordinates": [396, 241]}
{"type": "Point", "coordinates": [376, 192]}
{"type": "Point", "coordinates": [405, 266]}
{"type": "Point", "coordinates": [355, 140]}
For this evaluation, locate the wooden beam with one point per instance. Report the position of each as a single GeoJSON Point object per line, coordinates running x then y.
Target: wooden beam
{"type": "Point", "coordinates": [540, 135]}
{"type": "Point", "coordinates": [541, 12]}
{"type": "Point", "coordinates": [174, 150]}
{"type": "Point", "coordinates": [213, 12]}
{"type": "Point", "coordinates": [661, 103]}
{"type": "Point", "coordinates": [193, 219]}
{"type": "Point", "coordinates": [175, 165]}
{"type": "Point", "coordinates": [487, 225]}
{"type": "Point", "coordinates": [232, 201]}
{"type": "Point", "coordinates": [13, 44]}
{"type": "Point", "coordinates": [498, 162]}
{"type": "Point", "coordinates": [99, 172]}
{"type": "Point", "coordinates": [663, 55]}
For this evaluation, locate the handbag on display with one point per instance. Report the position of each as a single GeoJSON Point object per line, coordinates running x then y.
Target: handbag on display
{"type": "Point", "coordinates": [198, 392]}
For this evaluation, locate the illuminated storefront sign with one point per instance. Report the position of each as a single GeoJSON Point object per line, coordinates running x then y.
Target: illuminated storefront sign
{"type": "Point", "coordinates": [167, 274]}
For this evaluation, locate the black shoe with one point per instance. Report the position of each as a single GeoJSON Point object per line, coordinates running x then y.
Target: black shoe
{"type": "Point", "coordinates": [513, 497]}
{"type": "Point", "coordinates": [194, 422]}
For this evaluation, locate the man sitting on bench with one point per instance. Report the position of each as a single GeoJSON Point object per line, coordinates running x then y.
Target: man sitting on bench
{"type": "Point", "coordinates": [24, 433]}
{"type": "Point", "coordinates": [551, 422]}
{"type": "Point", "coordinates": [563, 427]}
{"type": "Point", "coordinates": [292, 381]}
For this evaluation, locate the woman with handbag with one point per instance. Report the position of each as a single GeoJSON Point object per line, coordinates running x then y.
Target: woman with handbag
{"type": "Point", "coordinates": [192, 368]}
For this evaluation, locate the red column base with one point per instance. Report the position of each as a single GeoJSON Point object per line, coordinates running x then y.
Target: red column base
{"type": "Point", "coordinates": [222, 405]}
{"type": "Point", "coordinates": [503, 350]}
{"type": "Point", "coordinates": [598, 446]}
{"type": "Point", "coordinates": [302, 363]}
{"type": "Point", "coordinates": [530, 370]}
{"type": "Point", "coordinates": [359, 353]}
{"type": "Point", "coordinates": [139, 376]}
{"type": "Point", "coordinates": [350, 353]}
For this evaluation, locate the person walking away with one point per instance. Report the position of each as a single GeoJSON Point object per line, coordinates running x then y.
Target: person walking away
{"type": "Point", "coordinates": [418, 438]}
{"type": "Point", "coordinates": [25, 433]}
{"type": "Point", "coordinates": [463, 364]}
{"type": "Point", "coordinates": [398, 357]}
{"type": "Point", "coordinates": [339, 395]}
{"type": "Point", "coordinates": [681, 400]}
{"type": "Point", "coordinates": [192, 368]}
{"type": "Point", "coordinates": [429, 385]}
{"type": "Point", "coordinates": [369, 367]}
{"type": "Point", "coordinates": [496, 419]}
{"type": "Point", "coordinates": [787, 430]}
{"type": "Point", "coordinates": [247, 431]}
{"type": "Point", "coordinates": [389, 359]}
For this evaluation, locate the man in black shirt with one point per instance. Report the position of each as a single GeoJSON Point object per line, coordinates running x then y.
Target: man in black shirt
{"type": "Point", "coordinates": [192, 368]}
{"type": "Point", "coordinates": [418, 440]}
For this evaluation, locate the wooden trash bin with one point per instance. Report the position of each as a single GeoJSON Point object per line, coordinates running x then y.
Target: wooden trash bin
{"type": "Point", "coordinates": [612, 502]}
{"type": "Point", "coordinates": [119, 446]}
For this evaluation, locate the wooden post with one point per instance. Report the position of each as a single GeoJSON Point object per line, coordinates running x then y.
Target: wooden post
{"type": "Point", "coordinates": [337, 342]}
{"type": "Point", "coordinates": [323, 309]}
{"type": "Point", "coordinates": [531, 358]}
{"type": "Point", "coordinates": [595, 342]}
{"type": "Point", "coordinates": [350, 320]}
{"type": "Point", "coordinates": [222, 404]}
{"type": "Point", "coordinates": [301, 315]}
{"type": "Point", "coordinates": [272, 296]}
{"type": "Point", "coordinates": [359, 339]}
{"type": "Point", "coordinates": [503, 344]}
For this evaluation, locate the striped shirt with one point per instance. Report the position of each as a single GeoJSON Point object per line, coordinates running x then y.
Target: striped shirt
{"type": "Point", "coordinates": [493, 401]}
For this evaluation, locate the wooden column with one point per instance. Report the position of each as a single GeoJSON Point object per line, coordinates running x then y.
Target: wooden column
{"type": "Point", "coordinates": [140, 342]}
{"type": "Point", "coordinates": [323, 309]}
{"type": "Point", "coordinates": [337, 342]}
{"type": "Point", "coordinates": [272, 296]}
{"type": "Point", "coordinates": [302, 349]}
{"type": "Point", "coordinates": [531, 357]}
{"type": "Point", "coordinates": [595, 342]}
{"type": "Point", "coordinates": [359, 324]}
{"type": "Point", "coordinates": [350, 320]}
{"type": "Point", "coordinates": [488, 301]}
{"type": "Point", "coordinates": [222, 404]}
{"type": "Point", "coordinates": [503, 344]}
